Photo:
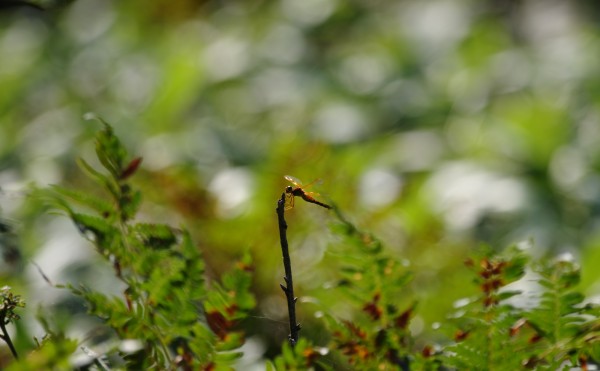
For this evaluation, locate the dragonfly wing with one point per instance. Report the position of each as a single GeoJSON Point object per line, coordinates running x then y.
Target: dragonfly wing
{"type": "Point", "coordinates": [293, 180]}
{"type": "Point", "coordinates": [314, 182]}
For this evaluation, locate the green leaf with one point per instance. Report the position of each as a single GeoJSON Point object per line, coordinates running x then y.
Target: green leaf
{"type": "Point", "coordinates": [514, 271]}
{"type": "Point", "coordinates": [97, 229]}
{"type": "Point", "coordinates": [97, 204]}
{"type": "Point", "coordinates": [160, 283]}
{"type": "Point", "coordinates": [568, 274]}
{"type": "Point", "coordinates": [569, 300]}
{"type": "Point", "coordinates": [228, 357]}
{"type": "Point", "coordinates": [54, 353]}
{"type": "Point", "coordinates": [269, 366]}
{"type": "Point", "coordinates": [233, 340]}
{"type": "Point", "coordinates": [101, 179]}
{"type": "Point", "coordinates": [300, 357]}
{"type": "Point", "coordinates": [129, 202]}
{"type": "Point", "coordinates": [504, 295]}
{"type": "Point", "coordinates": [110, 151]}
{"type": "Point", "coordinates": [154, 236]}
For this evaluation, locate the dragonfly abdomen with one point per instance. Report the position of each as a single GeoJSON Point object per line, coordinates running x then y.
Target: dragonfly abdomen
{"type": "Point", "coordinates": [307, 198]}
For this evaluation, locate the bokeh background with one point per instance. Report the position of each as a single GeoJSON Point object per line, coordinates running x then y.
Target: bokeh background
{"type": "Point", "coordinates": [437, 125]}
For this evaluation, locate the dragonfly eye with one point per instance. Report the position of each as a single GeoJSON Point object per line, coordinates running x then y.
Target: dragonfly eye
{"type": "Point", "coordinates": [288, 189]}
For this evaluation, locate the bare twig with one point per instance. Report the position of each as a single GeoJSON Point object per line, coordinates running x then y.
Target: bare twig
{"type": "Point", "coordinates": [41, 272]}
{"type": "Point", "coordinates": [7, 339]}
{"type": "Point", "coordinates": [288, 288]}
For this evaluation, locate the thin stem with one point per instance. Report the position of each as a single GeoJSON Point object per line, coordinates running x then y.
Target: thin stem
{"type": "Point", "coordinates": [6, 338]}
{"type": "Point", "coordinates": [287, 264]}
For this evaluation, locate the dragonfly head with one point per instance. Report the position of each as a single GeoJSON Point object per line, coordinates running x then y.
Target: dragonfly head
{"type": "Point", "coordinates": [289, 189]}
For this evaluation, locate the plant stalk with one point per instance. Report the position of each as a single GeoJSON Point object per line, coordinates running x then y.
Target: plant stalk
{"type": "Point", "coordinates": [288, 289]}
{"type": "Point", "coordinates": [6, 339]}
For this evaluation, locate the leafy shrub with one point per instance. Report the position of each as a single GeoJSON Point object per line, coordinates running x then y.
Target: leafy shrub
{"type": "Point", "coordinates": [175, 316]}
{"type": "Point", "coordinates": [493, 333]}
{"type": "Point", "coordinates": [177, 319]}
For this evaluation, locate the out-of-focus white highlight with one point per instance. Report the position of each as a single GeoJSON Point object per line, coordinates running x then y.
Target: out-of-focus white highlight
{"type": "Point", "coordinates": [283, 44]}
{"type": "Point", "coordinates": [419, 150]}
{"type": "Point", "coordinates": [308, 12]}
{"type": "Point", "coordinates": [463, 192]}
{"type": "Point", "coordinates": [88, 19]}
{"type": "Point", "coordinates": [378, 188]}
{"type": "Point", "coordinates": [62, 248]}
{"type": "Point", "coordinates": [161, 151]}
{"type": "Point", "coordinates": [253, 351]}
{"type": "Point", "coordinates": [460, 303]}
{"type": "Point", "coordinates": [130, 346]}
{"type": "Point", "coordinates": [20, 45]}
{"type": "Point", "coordinates": [232, 189]}
{"type": "Point", "coordinates": [275, 86]}
{"type": "Point", "coordinates": [416, 325]}
{"type": "Point", "coordinates": [567, 167]}
{"type": "Point", "coordinates": [433, 26]}
{"type": "Point", "coordinates": [339, 124]}
{"type": "Point", "coordinates": [363, 73]}
{"type": "Point", "coordinates": [226, 58]}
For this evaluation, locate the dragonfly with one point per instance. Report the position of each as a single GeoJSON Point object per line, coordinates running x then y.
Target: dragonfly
{"type": "Point", "coordinates": [298, 190]}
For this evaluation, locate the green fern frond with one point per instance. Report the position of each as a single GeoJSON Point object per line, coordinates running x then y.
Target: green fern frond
{"type": "Point", "coordinates": [303, 356]}
{"type": "Point", "coordinates": [104, 235]}
{"type": "Point", "coordinates": [484, 338]}
{"type": "Point", "coordinates": [110, 151]}
{"type": "Point", "coordinates": [99, 205]}
{"type": "Point", "coordinates": [154, 236]}
{"type": "Point", "coordinates": [163, 272]}
{"type": "Point", "coordinates": [560, 318]}
{"type": "Point", "coordinates": [105, 181]}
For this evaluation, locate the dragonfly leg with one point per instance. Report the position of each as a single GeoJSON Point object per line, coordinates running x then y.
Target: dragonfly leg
{"type": "Point", "coordinates": [289, 201]}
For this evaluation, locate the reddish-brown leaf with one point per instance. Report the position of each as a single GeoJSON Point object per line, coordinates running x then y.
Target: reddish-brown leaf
{"type": "Point", "coordinates": [310, 355]}
{"type": "Point", "coordinates": [232, 309]}
{"type": "Point", "coordinates": [583, 362]}
{"type": "Point", "coordinates": [372, 308]}
{"type": "Point", "coordinates": [131, 168]}
{"type": "Point", "coordinates": [403, 319]}
{"type": "Point", "coordinates": [460, 335]}
{"type": "Point", "coordinates": [355, 330]}
{"type": "Point", "coordinates": [218, 324]}
{"type": "Point", "coordinates": [535, 338]}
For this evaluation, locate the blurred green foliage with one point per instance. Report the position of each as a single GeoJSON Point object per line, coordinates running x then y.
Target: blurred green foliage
{"type": "Point", "coordinates": [166, 306]}
{"type": "Point", "coordinates": [436, 125]}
